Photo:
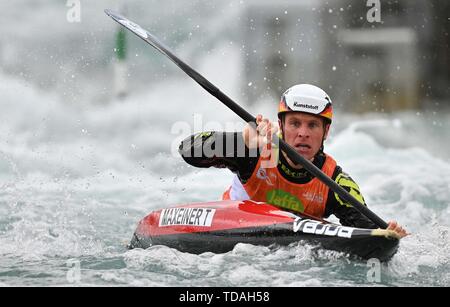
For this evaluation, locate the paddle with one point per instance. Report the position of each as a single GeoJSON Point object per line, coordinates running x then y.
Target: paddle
{"type": "Point", "coordinates": [213, 90]}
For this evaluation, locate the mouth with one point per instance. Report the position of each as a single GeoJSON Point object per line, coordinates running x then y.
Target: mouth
{"type": "Point", "coordinates": [302, 146]}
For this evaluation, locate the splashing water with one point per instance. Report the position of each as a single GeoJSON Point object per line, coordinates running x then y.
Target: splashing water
{"type": "Point", "coordinates": [75, 180]}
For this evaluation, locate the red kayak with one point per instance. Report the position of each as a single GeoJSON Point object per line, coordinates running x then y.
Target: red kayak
{"type": "Point", "coordinates": [218, 226]}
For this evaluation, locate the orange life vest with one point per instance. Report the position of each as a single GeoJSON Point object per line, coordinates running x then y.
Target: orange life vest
{"type": "Point", "coordinates": [268, 185]}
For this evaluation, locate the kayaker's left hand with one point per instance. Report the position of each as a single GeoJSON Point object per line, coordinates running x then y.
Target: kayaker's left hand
{"type": "Point", "coordinates": [393, 225]}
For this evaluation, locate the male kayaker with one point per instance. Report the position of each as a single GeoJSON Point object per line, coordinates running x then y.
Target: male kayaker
{"type": "Point", "coordinates": [304, 117]}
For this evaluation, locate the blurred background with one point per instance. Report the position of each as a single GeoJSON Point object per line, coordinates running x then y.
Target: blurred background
{"type": "Point", "coordinates": [394, 59]}
{"type": "Point", "coordinates": [91, 117]}
{"type": "Point", "coordinates": [370, 58]}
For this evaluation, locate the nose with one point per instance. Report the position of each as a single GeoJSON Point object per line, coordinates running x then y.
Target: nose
{"type": "Point", "coordinates": [303, 131]}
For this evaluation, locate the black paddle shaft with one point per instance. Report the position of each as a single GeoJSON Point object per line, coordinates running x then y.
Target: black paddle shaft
{"type": "Point", "coordinates": [213, 90]}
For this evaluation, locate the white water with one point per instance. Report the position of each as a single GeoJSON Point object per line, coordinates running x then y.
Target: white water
{"type": "Point", "coordinates": [76, 180]}
{"type": "Point", "coordinates": [77, 176]}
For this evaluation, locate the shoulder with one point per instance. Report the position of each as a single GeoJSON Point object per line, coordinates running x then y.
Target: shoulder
{"type": "Point", "coordinates": [338, 175]}
{"type": "Point", "coordinates": [344, 180]}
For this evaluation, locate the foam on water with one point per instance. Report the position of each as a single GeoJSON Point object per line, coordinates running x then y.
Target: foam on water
{"type": "Point", "coordinates": [76, 179]}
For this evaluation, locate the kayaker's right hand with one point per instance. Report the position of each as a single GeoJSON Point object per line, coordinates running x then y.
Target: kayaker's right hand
{"type": "Point", "coordinates": [256, 138]}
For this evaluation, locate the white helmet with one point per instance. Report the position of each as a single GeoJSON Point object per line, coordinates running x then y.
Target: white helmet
{"type": "Point", "coordinates": [306, 98]}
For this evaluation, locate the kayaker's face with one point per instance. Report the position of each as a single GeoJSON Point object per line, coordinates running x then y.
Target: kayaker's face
{"type": "Point", "coordinates": [305, 133]}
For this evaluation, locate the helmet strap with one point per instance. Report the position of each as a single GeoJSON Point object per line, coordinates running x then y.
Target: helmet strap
{"type": "Point", "coordinates": [325, 124]}
{"type": "Point", "coordinates": [282, 125]}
